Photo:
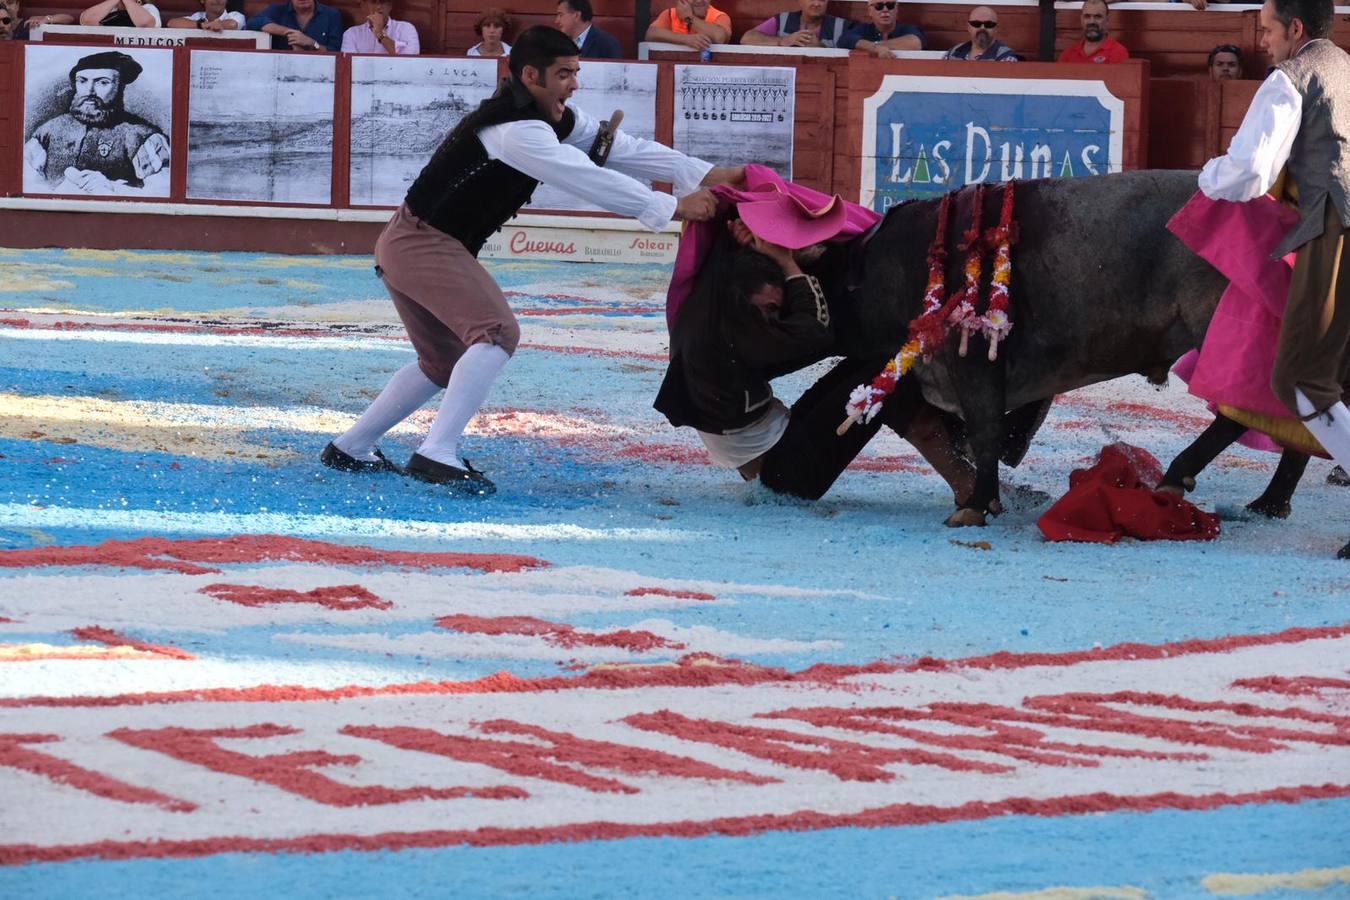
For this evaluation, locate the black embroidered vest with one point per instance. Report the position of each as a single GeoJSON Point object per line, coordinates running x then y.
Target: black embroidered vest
{"type": "Point", "coordinates": [462, 191]}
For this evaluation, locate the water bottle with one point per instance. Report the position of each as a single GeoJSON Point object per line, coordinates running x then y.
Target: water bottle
{"type": "Point", "coordinates": [705, 54]}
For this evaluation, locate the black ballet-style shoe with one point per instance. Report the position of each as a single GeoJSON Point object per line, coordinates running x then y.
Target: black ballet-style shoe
{"type": "Point", "coordinates": [467, 481]}
{"type": "Point", "coordinates": [334, 458]}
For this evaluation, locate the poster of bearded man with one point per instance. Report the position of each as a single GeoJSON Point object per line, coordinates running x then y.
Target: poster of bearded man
{"type": "Point", "coordinates": [97, 123]}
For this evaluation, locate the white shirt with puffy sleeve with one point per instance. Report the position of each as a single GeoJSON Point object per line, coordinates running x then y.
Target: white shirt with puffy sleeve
{"type": "Point", "coordinates": [1261, 146]}
{"type": "Point", "coordinates": [533, 148]}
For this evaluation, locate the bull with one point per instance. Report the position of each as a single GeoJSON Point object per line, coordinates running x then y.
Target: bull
{"type": "Point", "coordinates": [1100, 289]}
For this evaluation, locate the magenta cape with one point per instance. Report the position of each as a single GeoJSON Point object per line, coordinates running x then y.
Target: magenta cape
{"type": "Point", "coordinates": [1233, 365]}
{"type": "Point", "coordinates": [760, 181]}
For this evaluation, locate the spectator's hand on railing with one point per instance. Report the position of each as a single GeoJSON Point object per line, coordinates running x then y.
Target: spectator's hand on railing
{"type": "Point", "coordinates": [298, 40]}
{"type": "Point", "coordinates": [217, 25]}
{"type": "Point", "coordinates": [1198, 4]}
{"type": "Point", "coordinates": [881, 51]}
{"type": "Point", "coordinates": [799, 39]}
{"type": "Point", "coordinates": [697, 41]}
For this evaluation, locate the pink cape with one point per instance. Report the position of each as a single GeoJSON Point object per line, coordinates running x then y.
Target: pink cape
{"type": "Point", "coordinates": [760, 182]}
{"type": "Point", "coordinates": [1233, 365]}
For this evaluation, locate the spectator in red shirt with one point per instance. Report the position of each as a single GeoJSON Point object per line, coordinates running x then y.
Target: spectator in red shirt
{"type": "Point", "coordinates": [1096, 46]}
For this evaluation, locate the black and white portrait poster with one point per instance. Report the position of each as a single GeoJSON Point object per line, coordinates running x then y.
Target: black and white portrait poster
{"type": "Point", "coordinates": [728, 115]}
{"type": "Point", "coordinates": [606, 87]}
{"type": "Point", "coordinates": [97, 121]}
{"type": "Point", "coordinates": [260, 127]}
{"type": "Point", "coordinates": [402, 107]}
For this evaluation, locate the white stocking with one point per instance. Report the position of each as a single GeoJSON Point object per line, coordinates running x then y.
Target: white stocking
{"type": "Point", "coordinates": [470, 381]}
{"type": "Point", "coordinates": [1331, 428]}
{"type": "Point", "coordinates": [401, 397]}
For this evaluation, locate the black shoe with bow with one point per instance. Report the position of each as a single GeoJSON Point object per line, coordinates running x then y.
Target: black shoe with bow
{"type": "Point", "coordinates": [468, 480]}
{"type": "Point", "coordinates": [334, 458]}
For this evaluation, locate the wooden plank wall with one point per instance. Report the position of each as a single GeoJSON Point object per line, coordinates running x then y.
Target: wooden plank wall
{"type": "Point", "coordinates": [1183, 127]}
{"type": "Point", "coordinates": [11, 118]}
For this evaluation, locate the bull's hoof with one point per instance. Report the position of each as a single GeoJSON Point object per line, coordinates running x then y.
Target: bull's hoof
{"type": "Point", "coordinates": [1271, 509]}
{"type": "Point", "coordinates": [965, 517]}
{"type": "Point", "coordinates": [1339, 477]}
{"type": "Point", "coordinates": [1181, 489]}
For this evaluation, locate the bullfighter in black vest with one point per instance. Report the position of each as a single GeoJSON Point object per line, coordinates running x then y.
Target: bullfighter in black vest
{"type": "Point", "coordinates": [1299, 122]}
{"type": "Point", "coordinates": [480, 176]}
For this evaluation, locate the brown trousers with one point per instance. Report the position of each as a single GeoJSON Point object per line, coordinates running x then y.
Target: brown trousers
{"type": "Point", "coordinates": [446, 299]}
{"type": "Point", "coordinates": [1314, 346]}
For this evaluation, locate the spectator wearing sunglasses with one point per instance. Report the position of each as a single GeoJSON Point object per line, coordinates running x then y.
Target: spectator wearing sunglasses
{"type": "Point", "coordinates": [1096, 46]}
{"type": "Point", "coordinates": [984, 45]}
{"type": "Point", "coordinates": [1225, 63]}
{"type": "Point", "coordinates": [882, 34]}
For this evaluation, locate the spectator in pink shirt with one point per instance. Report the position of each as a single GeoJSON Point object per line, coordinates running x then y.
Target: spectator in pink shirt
{"type": "Point", "coordinates": [380, 33]}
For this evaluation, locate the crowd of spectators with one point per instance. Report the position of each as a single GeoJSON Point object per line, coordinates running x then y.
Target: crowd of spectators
{"type": "Point", "coordinates": [311, 26]}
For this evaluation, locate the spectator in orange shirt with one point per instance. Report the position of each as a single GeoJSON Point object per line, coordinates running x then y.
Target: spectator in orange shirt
{"type": "Point", "coordinates": [1096, 46]}
{"type": "Point", "coordinates": [695, 23]}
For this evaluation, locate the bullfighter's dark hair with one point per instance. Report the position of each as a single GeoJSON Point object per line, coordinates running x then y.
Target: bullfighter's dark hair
{"type": "Point", "coordinates": [540, 46]}
{"type": "Point", "coordinates": [581, 6]}
{"type": "Point", "coordinates": [1316, 15]}
{"type": "Point", "coordinates": [752, 270]}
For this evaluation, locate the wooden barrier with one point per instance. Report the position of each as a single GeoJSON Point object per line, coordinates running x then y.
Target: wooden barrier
{"type": "Point", "coordinates": [11, 117]}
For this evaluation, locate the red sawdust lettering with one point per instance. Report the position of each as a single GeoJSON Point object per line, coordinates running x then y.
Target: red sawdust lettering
{"type": "Point", "coordinates": [667, 592]}
{"type": "Point", "coordinates": [1006, 660]}
{"type": "Point", "coordinates": [1102, 712]}
{"type": "Point", "coordinates": [556, 633]}
{"type": "Point", "coordinates": [191, 557]}
{"type": "Point", "coordinates": [14, 755]}
{"type": "Point", "coordinates": [845, 760]}
{"type": "Point", "coordinates": [692, 670]}
{"type": "Point", "coordinates": [291, 772]}
{"type": "Point", "coordinates": [1301, 685]}
{"type": "Point", "coordinates": [894, 815]}
{"type": "Point", "coordinates": [338, 597]}
{"type": "Point", "coordinates": [987, 735]}
{"type": "Point", "coordinates": [101, 635]}
{"type": "Point", "coordinates": [530, 758]}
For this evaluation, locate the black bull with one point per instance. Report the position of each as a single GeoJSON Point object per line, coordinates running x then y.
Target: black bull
{"type": "Point", "coordinates": [1100, 288]}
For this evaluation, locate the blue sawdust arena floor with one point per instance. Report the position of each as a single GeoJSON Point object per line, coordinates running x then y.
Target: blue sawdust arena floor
{"type": "Point", "coordinates": [186, 396]}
